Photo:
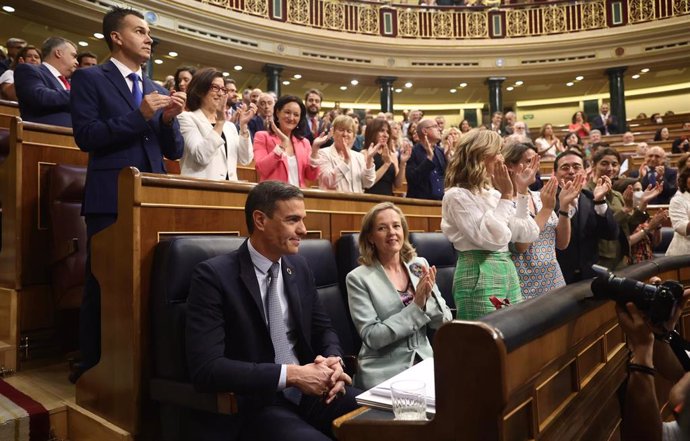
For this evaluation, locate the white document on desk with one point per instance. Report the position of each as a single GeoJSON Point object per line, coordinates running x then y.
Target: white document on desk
{"type": "Point", "coordinates": [380, 395]}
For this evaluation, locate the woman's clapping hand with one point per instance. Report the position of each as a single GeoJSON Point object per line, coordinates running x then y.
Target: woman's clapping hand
{"type": "Point", "coordinates": [425, 286]}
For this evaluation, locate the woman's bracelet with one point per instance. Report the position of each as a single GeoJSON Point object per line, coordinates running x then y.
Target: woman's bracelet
{"type": "Point", "coordinates": [641, 368]}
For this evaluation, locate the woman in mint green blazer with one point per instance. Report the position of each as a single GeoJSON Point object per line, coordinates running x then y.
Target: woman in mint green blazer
{"type": "Point", "coordinates": [393, 297]}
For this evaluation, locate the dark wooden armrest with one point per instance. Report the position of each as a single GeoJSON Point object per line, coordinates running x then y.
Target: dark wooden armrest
{"type": "Point", "coordinates": [184, 395]}
{"type": "Point", "coordinates": [67, 248]}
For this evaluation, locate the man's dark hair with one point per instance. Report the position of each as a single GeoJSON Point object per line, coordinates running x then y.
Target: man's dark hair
{"type": "Point", "coordinates": [563, 154]}
{"type": "Point", "coordinates": [263, 197]}
{"type": "Point", "coordinates": [86, 54]}
{"type": "Point", "coordinates": [113, 20]}
{"type": "Point", "coordinates": [52, 43]}
{"type": "Point", "coordinates": [229, 81]}
{"type": "Point", "coordinates": [313, 92]}
{"type": "Point", "coordinates": [300, 131]}
{"type": "Point", "coordinates": [200, 85]}
{"type": "Point", "coordinates": [607, 151]}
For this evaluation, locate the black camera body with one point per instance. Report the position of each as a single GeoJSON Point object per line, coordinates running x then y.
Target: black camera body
{"type": "Point", "coordinates": [657, 302]}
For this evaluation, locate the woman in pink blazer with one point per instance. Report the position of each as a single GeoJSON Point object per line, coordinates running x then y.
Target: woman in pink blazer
{"type": "Point", "coordinates": [282, 153]}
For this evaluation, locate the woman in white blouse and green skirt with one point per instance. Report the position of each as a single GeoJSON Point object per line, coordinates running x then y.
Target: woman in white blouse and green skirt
{"type": "Point", "coordinates": [480, 218]}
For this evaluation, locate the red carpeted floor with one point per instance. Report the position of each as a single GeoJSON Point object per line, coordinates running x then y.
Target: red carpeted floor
{"type": "Point", "coordinates": [21, 417]}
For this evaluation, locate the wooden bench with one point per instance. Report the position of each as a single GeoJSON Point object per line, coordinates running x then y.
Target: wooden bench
{"type": "Point", "coordinates": [27, 300]}
{"type": "Point", "coordinates": [10, 108]}
{"type": "Point", "coordinates": [154, 207]}
{"type": "Point", "coordinates": [545, 369]}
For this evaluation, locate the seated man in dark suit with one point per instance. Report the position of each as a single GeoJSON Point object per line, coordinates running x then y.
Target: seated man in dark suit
{"type": "Point", "coordinates": [256, 327]}
{"type": "Point", "coordinates": [591, 219]}
{"type": "Point", "coordinates": [43, 91]}
{"type": "Point", "coordinates": [653, 170]}
{"type": "Point", "coordinates": [426, 167]}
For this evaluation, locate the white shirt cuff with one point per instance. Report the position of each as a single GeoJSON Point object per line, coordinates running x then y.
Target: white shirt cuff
{"type": "Point", "coordinates": [282, 381]}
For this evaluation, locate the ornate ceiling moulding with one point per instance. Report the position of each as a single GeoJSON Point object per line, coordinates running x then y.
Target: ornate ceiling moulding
{"type": "Point", "coordinates": [372, 39]}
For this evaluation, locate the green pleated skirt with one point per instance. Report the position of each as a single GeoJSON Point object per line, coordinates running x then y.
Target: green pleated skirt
{"type": "Point", "coordinates": [480, 274]}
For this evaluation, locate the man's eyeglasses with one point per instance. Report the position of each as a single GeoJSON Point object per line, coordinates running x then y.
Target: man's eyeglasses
{"type": "Point", "coordinates": [218, 89]}
{"type": "Point", "coordinates": [568, 167]}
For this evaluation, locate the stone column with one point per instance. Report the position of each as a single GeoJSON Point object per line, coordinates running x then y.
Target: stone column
{"type": "Point", "coordinates": [495, 94]}
{"type": "Point", "coordinates": [386, 84]}
{"type": "Point", "coordinates": [273, 72]}
{"type": "Point", "coordinates": [617, 96]}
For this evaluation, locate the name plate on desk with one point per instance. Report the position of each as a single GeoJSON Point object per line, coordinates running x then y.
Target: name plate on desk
{"type": "Point", "coordinates": [379, 396]}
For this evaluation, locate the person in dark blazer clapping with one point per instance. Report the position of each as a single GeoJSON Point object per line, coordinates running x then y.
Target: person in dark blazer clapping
{"type": "Point", "coordinates": [121, 119]}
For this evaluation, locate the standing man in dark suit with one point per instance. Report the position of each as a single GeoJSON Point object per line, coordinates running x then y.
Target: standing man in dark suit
{"type": "Point", "coordinates": [606, 123]}
{"type": "Point", "coordinates": [256, 327]}
{"type": "Point", "coordinates": [315, 126]}
{"type": "Point", "coordinates": [591, 219]}
{"type": "Point", "coordinates": [426, 168]}
{"type": "Point", "coordinates": [121, 119]}
{"type": "Point", "coordinates": [43, 91]}
{"type": "Point", "coordinates": [264, 113]}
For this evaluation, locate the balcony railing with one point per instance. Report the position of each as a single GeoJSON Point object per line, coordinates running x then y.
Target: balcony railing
{"type": "Point", "coordinates": [400, 21]}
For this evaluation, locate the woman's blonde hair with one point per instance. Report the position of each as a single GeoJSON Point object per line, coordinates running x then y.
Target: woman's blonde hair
{"type": "Point", "coordinates": [447, 132]}
{"type": "Point", "coordinates": [367, 250]}
{"type": "Point", "coordinates": [344, 122]}
{"type": "Point", "coordinates": [466, 168]}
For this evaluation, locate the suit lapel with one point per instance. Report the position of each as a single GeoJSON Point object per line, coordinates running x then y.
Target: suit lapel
{"type": "Point", "coordinates": [112, 73]}
{"type": "Point", "coordinates": [441, 158]}
{"type": "Point", "coordinates": [57, 85]}
{"type": "Point", "coordinates": [248, 276]}
{"type": "Point", "coordinates": [393, 300]}
{"type": "Point", "coordinates": [205, 127]}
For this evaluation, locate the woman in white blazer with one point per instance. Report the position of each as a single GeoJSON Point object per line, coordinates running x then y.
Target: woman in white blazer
{"type": "Point", "coordinates": [212, 146]}
{"type": "Point", "coordinates": [393, 297]}
{"type": "Point", "coordinates": [341, 168]}
{"type": "Point", "coordinates": [679, 213]}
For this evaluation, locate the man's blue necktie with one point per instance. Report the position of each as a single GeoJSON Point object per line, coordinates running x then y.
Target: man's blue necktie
{"type": "Point", "coordinates": [136, 90]}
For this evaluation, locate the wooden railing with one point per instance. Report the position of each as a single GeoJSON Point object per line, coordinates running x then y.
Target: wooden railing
{"type": "Point", "coordinates": [477, 22]}
{"type": "Point", "coordinates": [545, 369]}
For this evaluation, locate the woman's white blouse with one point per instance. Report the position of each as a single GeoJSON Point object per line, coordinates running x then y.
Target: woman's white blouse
{"type": "Point", "coordinates": [293, 171]}
{"type": "Point", "coordinates": [484, 221]}
{"type": "Point", "coordinates": [679, 213]}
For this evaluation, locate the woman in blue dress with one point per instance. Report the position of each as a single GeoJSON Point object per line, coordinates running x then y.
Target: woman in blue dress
{"type": "Point", "coordinates": [536, 262]}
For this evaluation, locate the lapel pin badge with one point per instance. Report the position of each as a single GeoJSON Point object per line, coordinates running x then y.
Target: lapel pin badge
{"type": "Point", "coordinates": [417, 270]}
{"type": "Point", "coordinates": [289, 270]}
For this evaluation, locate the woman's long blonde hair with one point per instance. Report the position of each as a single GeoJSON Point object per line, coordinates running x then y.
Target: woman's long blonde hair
{"type": "Point", "coordinates": [367, 250]}
{"type": "Point", "coordinates": [466, 168]}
